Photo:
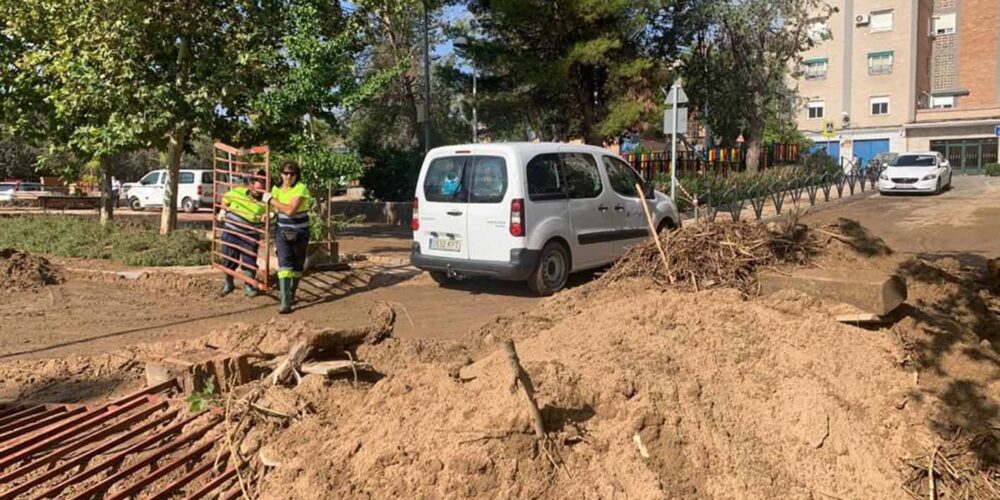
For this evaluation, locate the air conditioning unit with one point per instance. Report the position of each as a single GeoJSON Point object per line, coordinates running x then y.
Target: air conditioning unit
{"type": "Point", "coordinates": [861, 20]}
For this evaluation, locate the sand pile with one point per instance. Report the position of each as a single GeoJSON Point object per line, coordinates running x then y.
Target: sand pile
{"type": "Point", "coordinates": [23, 271]}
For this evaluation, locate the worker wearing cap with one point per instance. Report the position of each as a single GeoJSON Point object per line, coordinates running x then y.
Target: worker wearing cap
{"type": "Point", "coordinates": [292, 201]}
{"type": "Point", "coordinates": [243, 223]}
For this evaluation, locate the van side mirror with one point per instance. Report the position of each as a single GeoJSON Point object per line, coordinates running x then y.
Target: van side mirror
{"type": "Point", "coordinates": [650, 190]}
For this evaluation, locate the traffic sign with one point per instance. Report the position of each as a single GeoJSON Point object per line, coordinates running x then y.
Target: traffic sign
{"type": "Point", "coordinates": [828, 130]}
{"type": "Point", "coordinates": [740, 139]}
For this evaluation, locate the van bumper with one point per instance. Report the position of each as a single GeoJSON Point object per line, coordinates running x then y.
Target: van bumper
{"type": "Point", "coordinates": [522, 262]}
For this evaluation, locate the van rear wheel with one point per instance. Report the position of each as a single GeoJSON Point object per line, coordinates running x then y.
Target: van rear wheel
{"type": "Point", "coordinates": [189, 205]}
{"type": "Point", "coordinates": [552, 270]}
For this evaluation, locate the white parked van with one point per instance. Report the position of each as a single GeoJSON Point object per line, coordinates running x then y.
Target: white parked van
{"type": "Point", "coordinates": [194, 190]}
{"type": "Point", "coordinates": [528, 211]}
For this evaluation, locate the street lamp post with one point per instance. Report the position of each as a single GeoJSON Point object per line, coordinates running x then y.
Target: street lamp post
{"type": "Point", "coordinates": [427, 80]}
{"type": "Point", "coordinates": [462, 42]}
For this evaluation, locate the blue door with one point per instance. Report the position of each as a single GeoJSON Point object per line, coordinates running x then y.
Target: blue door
{"type": "Point", "coordinates": [831, 148]}
{"type": "Point", "coordinates": [867, 149]}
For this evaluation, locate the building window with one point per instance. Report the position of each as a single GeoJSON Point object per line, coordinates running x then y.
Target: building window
{"type": "Point", "coordinates": [815, 109]}
{"type": "Point", "coordinates": [815, 69]}
{"type": "Point", "coordinates": [942, 101]}
{"type": "Point", "coordinates": [881, 21]}
{"type": "Point", "coordinates": [879, 106]}
{"type": "Point", "coordinates": [943, 24]}
{"type": "Point", "coordinates": [880, 63]}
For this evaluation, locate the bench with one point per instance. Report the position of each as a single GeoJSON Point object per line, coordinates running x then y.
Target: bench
{"type": "Point", "coordinates": [69, 202]}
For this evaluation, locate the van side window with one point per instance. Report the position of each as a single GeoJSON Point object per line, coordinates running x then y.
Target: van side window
{"type": "Point", "coordinates": [186, 178]}
{"type": "Point", "coordinates": [544, 178]}
{"type": "Point", "coordinates": [150, 179]}
{"type": "Point", "coordinates": [583, 179]}
{"type": "Point", "coordinates": [622, 177]}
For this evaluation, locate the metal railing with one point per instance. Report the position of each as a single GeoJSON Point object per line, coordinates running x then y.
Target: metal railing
{"type": "Point", "coordinates": [722, 161]}
{"type": "Point", "coordinates": [848, 181]}
{"type": "Point", "coordinates": [232, 167]}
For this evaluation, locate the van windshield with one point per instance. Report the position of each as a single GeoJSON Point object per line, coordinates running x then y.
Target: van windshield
{"type": "Point", "coordinates": [466, 179]}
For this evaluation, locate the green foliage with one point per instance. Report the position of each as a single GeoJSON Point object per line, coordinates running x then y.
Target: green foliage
{"type": "Point", "coordinates": [133, 244]}
{"type": "Point", "coordinates": [391, 174]}
{"type": "Point", "coordinates": [201, 400]}
{"type": "Point", "coordinates": [566, 69]}
{"type": "Point", "coordinates": [993, 169]}
{"type": "Point", "coordinates": [740, 62]}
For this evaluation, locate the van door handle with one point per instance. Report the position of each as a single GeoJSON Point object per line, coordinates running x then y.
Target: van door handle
{"type": "Point", "coordinates": [454, 212]}
{"type": "Point", "coordinates": [602, 208]}
{"type": "Point", "coordinates": [619, 208]}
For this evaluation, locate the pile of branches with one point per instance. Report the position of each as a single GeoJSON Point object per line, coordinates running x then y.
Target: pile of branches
{"type": "Point", "coordinates": [713, 255]}
{"type": "Point", "coordinates": [964, 467]}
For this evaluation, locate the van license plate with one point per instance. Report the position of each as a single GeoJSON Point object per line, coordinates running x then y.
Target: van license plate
{"type": "Point", "coordinates": [446, 245]}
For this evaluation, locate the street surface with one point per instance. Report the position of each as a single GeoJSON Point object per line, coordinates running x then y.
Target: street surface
{"type": "Point", "coordinates": [86, 316]}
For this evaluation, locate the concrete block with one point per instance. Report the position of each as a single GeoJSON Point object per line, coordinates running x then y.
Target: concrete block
{"type": "Point", "coordinates": [870, 291]}
{"type": "Point", "coordinates": [194, 369]}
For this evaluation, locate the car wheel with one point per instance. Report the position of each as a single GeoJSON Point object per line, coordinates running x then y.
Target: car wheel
{"type": "Point", "coordinates": [552, 270]}
{"type": "Point", "coordinates": [134, 204]}
{"type": "Point", "coordinates": [938, 189]}
{"type": "Point", "coordinates": [189, 206]}
{"type": "Point", "coordinates": [949, 180]}
{"type": "Point", "coordinates": [666, 224]}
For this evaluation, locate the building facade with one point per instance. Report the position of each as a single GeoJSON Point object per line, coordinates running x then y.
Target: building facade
{"type": "Point", "coordinates": [905, 75]}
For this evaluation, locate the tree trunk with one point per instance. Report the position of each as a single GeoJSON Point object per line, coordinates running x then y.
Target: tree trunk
{"type": "Point", "coordinates": [754, 137]}
{"type": "Point", "coordinates": [175, 146]}
{"type": "Point", "coordinates": [107, 202]}
{"type": "Point", "coordinates": [175, 149]}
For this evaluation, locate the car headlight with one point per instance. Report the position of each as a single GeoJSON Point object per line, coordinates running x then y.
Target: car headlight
{"type": "Point", "coordinates": [883, 177]}
{"type": "Point", "coordinates": [929, 177]}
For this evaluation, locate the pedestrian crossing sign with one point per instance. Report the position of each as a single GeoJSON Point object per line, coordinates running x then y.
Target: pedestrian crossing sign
{"type": "Point", "coordinates": [828, 129]}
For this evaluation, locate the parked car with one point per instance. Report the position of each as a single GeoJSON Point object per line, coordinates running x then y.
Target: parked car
{"type": "Point", "coordinates": [194, 190]}
{"type": "Point", "coordinates": [926, 171]}
{"type": "Point", "coordinates": [15, 190]}
{"type": "Point", "coordinates": [528, 211]}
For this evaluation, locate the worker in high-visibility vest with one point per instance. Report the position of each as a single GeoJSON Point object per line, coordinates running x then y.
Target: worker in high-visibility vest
{"type": "Point", "coordinates": [292, 201]}
{"type": "Point", "coordinates": [242, 228]}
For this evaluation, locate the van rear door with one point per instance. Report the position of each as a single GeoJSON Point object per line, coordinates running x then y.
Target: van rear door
{"type": "Point", "coordinates": [489, 209]}
{"type": "Point", "coordinates": [442, 203]}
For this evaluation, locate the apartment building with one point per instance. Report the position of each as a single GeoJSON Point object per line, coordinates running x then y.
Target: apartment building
{"type": "Point", "coordinates": [905, 75]}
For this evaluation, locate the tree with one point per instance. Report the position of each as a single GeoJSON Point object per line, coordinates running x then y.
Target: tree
{"type": "Point", "coordinates": [68, 77]}
{"type": "Point", "coordinates": [740, 61]}
{"type": "Point", "coordinates": [569, 69]}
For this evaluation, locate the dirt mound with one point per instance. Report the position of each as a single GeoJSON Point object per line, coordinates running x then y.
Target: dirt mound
{"type": "Point", "coordinates": [23, 271]}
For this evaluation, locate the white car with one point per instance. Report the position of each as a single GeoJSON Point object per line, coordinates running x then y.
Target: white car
{"type": "Point", "coordinates": [194, 190]}
{"type": "Point", "coordinates": [528, 211]}
{"type": "Point", "coordinates": [927, 172]}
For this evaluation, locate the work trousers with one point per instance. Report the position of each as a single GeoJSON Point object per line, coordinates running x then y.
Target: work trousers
{"type": "Point", "coordinates": [245, 254]}
{"type": "Point", "coordinates": [292, 245]}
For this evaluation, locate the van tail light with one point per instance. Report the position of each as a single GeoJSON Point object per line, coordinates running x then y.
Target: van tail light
{"type": "Point", "coordinates": [200, 190]}
{"type": "Point", "coordinates": [415, 221]}
{"type": "Point", "coordinates": [517, 217]}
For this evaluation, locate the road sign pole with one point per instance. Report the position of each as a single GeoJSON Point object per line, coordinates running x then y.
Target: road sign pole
{"type": "Point", "coordinates": [673, 147]}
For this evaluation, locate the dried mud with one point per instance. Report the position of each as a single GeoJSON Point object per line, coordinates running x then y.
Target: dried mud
{"type": "Point", "coordinates": [646, 392]}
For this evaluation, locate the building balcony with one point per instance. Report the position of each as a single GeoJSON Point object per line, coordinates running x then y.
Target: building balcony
{"type": "Point", "coordinates": [959, 113]}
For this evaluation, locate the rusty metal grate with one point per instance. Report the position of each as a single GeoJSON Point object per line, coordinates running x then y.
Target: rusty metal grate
{"type": "Point", "coordinates": [142, 445]}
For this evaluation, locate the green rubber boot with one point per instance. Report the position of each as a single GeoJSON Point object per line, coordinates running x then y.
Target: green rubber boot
{"type": "Point", "coordinates": [285, 292]}
{"type": "Point", "coordinates": [248, 289]}
{"type": "Point", "coordinates": [227, 285]}
{"type": "Point", "coordinates": [295, 288]}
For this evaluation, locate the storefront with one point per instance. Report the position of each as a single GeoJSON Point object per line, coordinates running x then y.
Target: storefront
{"type": "Point", "coordinates": [967, 156]}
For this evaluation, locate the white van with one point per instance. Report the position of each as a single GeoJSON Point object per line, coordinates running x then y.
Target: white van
{"type": "Point", "coordinates": [194, 190]}
{"type": "Point", "coordinates": [528, 211]}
